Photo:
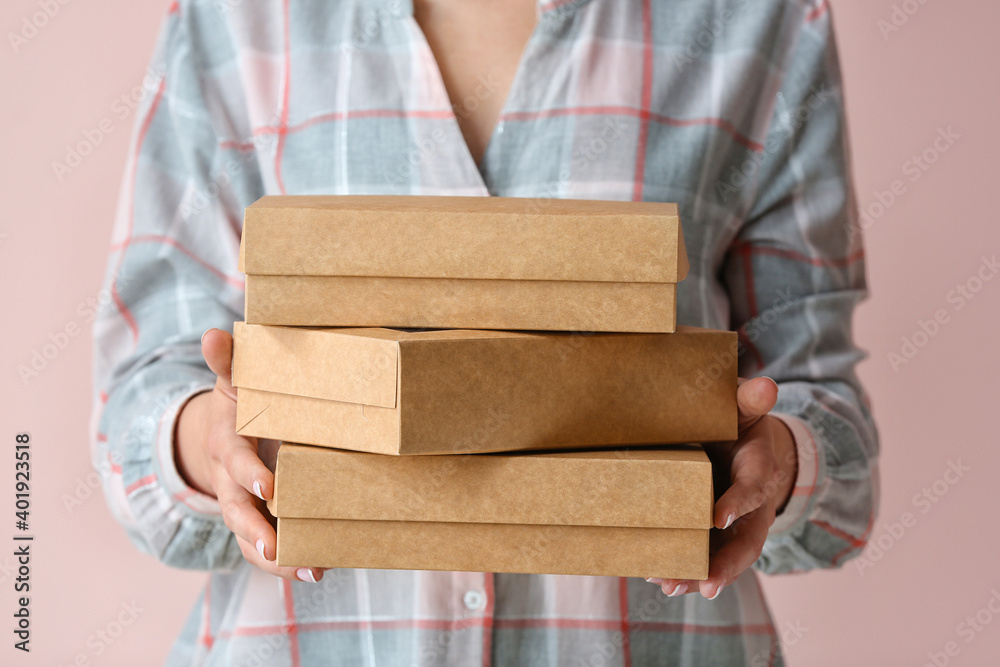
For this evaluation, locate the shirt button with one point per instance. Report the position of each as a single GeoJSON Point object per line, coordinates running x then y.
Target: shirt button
{"type": "Point", "coordinates": [473, 600]}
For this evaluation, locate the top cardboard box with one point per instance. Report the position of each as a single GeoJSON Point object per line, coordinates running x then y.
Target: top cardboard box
{"type": "Point", "coordinates": [462, 262]}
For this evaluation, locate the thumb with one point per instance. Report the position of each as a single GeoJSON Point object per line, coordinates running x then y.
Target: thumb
{"type": "Point", "coordinates": [217, 348]}
{"type": "Point", "coordinates": [755, 398]}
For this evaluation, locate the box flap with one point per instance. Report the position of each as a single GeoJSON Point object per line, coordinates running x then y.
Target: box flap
{"type": "Point", "coordinates": [342, 366]}
{"type": "Point", "coordinates": [464, 237]}
{"type": "Point", "coordinates": [654, 488]}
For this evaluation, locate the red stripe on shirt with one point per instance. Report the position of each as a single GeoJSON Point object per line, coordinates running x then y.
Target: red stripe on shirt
{"type": "Point", "coordinates": [646, 103]}
{"type": "Point", "coordinates": [623, 608]}
{"type": "Point", "coordinates": [859, 543]}
{"type": "Point", "coordinates": [823, 262]}
{"type": "Point", "coordinates": [291, 627]}
{"type": "Point", "coordinates": [173, 7]}
{"type": "Point", "coordinates": [156, 238]}
{"type": "Point", "coordinates": [818, 11]}
{"type": "Point", "coordinates": [720, 123]}
{"type": "Point", "coordinates": [367, 624]}
{"type": "Point", "coordinates": [335, 116]}
{"type": "Point", "coordinates": [206, 624]}
{"type": "Point", "coordinates": [837, 532]}
{"type": "Point", "coordinates": [143, 130]}
{"type": "Point", "coordinates": [145, 481]}
{"type": "Point", "coordinates": [286, 85]}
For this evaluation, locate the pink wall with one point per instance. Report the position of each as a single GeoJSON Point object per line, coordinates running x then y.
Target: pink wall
{"type": "Point", "coordinates": [935, 72]}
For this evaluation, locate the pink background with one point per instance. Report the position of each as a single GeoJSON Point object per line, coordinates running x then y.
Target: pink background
{"type": "Point", "coordinates": [935, 72]}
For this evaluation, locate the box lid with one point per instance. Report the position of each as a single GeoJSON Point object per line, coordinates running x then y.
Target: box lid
{"type": "Point", "coordinates": [463, 237]}
{"type": "Point", "coordinates": [656, 488]}
{"type": "Point", "coordinates": [352, 365]}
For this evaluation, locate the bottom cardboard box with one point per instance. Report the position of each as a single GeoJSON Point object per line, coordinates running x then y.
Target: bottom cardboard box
{"type": "Point", "coordinates": [630, 513]}
{"type": "Point", "coordinates": [676, 553]}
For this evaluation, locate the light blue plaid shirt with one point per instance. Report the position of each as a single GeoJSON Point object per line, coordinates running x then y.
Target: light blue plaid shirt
{"type": "Point", "coordinates": [733, 110]}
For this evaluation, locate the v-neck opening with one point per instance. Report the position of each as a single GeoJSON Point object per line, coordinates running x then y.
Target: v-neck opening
{"type": "Point", "coordinates": [438, 77]}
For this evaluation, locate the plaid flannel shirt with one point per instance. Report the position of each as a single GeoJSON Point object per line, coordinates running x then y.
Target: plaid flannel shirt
{"type": "Point", "coordinates": [732, 109]}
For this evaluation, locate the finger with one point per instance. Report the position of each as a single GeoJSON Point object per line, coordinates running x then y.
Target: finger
{"type": "Point", "coordinates": [243, 517]}
{"type": "Point", "coordinates": [217, 348]}
{"type": "Point", "coordinates": [252, 556]}
{"type": "Point", "coordinates": [753, 472]}
{"type": "Point", "coordinates": [738, 553]}
{"type": "Point", "coordinates": [755, 398]}
{"type": "Point", "coordinates": [675, 587]}
{"type": "Point", "coordinates": [239, 457]}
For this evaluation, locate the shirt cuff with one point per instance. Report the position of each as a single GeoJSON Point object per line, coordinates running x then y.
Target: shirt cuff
{"type": "Point", "coordinates": [180, 491]}
{"type": "Point", "coordinates": [800, 499]}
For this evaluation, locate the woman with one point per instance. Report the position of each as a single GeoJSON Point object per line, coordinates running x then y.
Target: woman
{"type": "Point", "coordinates": [736, 114]}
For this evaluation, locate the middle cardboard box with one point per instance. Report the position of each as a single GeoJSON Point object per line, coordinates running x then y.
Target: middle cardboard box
{"type": "Point", "coordinates": [446, 391]}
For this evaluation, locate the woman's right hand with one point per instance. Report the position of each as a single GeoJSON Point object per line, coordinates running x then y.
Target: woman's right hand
{"type": "Point", "coordinates": [213, 459]}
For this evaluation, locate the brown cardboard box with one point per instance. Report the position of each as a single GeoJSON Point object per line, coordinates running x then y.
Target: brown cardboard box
{"type": "Point", "coordinates": [462, 262]}
{"type": "Point", "coordinates": [456, 391]}
{"type": "Point", "coordinates": [636, 513]}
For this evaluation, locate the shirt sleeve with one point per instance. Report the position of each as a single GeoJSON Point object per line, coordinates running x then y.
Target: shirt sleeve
{"type": "Point", "coordinates": [795, 274]}
{"type": "Point", "coordinates": [171, 274]}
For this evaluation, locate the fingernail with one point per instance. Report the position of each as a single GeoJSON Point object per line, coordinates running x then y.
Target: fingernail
{"type": "Point", "coordinates": [305, 574]}
{"type": "Point", "coordinates": [655, 581]}
{"type": "Point", "coordinates": [718, 590]}
{"type": "Point", "coordinates": [679, 589]}
{"type": "Point", "coordinates": [729, 520]}
{"type": "Point", "coordinates": [204, 334]}
{"type": "Point", "coordinates": [771, 379]}
{"type": "Point", "coordinates": [260, 548]}
{"type": "Point", "coordinates": [257, 491]}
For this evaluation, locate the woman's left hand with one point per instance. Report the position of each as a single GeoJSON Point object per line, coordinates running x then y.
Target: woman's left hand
{"type": "Point", "coordinates": [759, 469]}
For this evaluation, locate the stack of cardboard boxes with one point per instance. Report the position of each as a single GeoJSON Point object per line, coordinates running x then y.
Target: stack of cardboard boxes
{"type": "Point", "coordinates": [467, 380]}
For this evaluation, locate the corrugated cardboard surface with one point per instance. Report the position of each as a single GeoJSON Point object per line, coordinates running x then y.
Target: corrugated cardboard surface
{"type": "Point", "coordinates": [465, 304]}
{"type": "Point", "coordinates": [616, 513]}
{"type": "Point", "coordinates": [483, 391]}
{"type": "Point", "coordinates": [462, 262]}
{"type": "Point", "coordinates": [463, 237]}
